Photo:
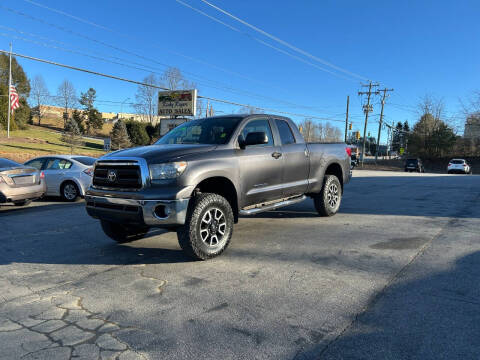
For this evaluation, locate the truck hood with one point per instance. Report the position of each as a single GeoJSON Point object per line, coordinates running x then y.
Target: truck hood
{"type": "Point", "coordinates": [158, 153]}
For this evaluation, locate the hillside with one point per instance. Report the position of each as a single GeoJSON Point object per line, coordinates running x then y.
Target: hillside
{"type": "Point", "coordinates": [38, 141]}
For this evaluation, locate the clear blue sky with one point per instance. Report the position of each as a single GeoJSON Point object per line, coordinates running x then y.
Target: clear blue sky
{"type": "Point", "coordinates": [415, 47]}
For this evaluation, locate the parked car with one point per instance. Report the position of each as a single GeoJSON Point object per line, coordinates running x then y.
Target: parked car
{"type": "Point", "coordinates": [68, 176]}
{"type": "Point", "coordinates": [201, 176]}
{"type": "Point", "coordinates": [20, 184]}
{"type": "Point", "coordinates": [458, 166]}
{"type": "Point", "coordinates": [414, 165]}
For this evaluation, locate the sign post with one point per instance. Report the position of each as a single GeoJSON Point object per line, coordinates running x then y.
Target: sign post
{"type": "Point", "coordinates": [177, 103]}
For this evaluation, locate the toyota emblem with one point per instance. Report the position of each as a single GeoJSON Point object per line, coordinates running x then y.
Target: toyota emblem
{"type": "Point", "coordinates": [112, 175]}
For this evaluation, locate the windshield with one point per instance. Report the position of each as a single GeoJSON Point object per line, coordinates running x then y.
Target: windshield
{"type": "Point", "coordinates": [412, 162]}
{"type": "Point", "coordinates": [457, 162]}
{"type": "Point", "coordinates": [85, 160]}
{"type": "Point", "coordinates": [215, 131]}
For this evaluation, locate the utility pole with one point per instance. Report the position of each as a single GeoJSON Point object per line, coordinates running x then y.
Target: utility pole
{"type": "Point", "coordinates": [346, 119]}
{"type": "Point", "coordinates": [367, 109]}
{"type": "Point", "coordinates": [9, 92]}
{"type": "Point", "coordinates": [381, 119]}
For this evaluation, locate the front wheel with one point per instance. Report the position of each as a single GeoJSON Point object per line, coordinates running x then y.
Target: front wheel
{"type": "Point", "coordinates": [208, 227]}
{"type": "Point", "coordinates": [123, 233]}
{"type": "Point", "coordinates": [327, 202]}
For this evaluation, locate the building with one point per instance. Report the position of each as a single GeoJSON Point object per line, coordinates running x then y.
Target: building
{"type": "Point", "coordinates": [472, 127]}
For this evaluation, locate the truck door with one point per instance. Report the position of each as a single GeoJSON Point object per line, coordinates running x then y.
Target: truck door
{"type": "Point", "coordinates": [261, 166]}
{"type": "Point", "coordinates": [296, 161]}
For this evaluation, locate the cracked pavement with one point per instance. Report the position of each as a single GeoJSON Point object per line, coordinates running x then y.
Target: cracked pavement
{"type": "Point", "coordinates": [291, 285]}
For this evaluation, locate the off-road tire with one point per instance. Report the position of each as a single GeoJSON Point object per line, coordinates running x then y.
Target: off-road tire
{"type": "Point", "coordinates": [190, 235]}
{"type": "Point", "coordinates": [123, 233]}
{"type": "Point", "coordinates": [73, 190]}
{"type": "Point", "coordinates": [323, 200]}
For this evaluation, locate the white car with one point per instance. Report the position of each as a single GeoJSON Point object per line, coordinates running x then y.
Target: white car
{"type": "Point", "coordinates": [459, 166]}
{"type": "Point", "coordinates": [68, 176]}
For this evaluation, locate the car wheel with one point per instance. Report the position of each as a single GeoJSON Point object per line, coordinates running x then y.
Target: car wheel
{"type": "Point", "coordinates": [69, 191]}
{"type": "Point", "coordinates": [208, 227]}
{"type": "Point", "coordinates": [123, 233]}
{"type": "Point", "coordinates": [327, 202]}
{"type": "Point", "coordinates": [22, 202]}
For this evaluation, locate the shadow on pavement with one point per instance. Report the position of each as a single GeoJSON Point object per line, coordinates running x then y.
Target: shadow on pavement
{"type": "Point", "coordinates": [430, 318]}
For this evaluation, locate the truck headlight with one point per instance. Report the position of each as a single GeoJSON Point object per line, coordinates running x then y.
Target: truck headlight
{"type": "Point", "coordinates": [167, 170]}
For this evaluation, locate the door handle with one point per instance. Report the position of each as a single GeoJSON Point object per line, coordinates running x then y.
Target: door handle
{"type": "Point", "coordinates": [276, 155]}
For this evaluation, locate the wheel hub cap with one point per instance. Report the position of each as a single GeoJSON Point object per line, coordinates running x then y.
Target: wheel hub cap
{"type": "Point", "coordinates": [332, 195]}
{"type": "Point", "coordinates": [213, 227]}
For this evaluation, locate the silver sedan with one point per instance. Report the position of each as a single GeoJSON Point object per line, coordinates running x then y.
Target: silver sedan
{"type": "Point", "coordinates": [68, 176]}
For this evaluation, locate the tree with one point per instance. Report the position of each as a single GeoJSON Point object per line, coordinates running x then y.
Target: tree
{"type": "Point", "coordinates": [66, 97]}
{"type": "Point", "coordinates": [39, 95]}
{"type": "Point", "coordinates": [21, 116]}
{"type": "Point", "coordinates": [92, 115]}
{"type": "Point", "coordinates": [72, 135]}
{"type": "Point", "coordinates": [173, 79]}
{"type": "Point", "coordinates": [77, 116]}
{"type": "Point", "coordinates": [146, 98]}
{"type": "Point", "coordinates": [137, 133]}
{"type": "Point", "coordinates": [119, 136]}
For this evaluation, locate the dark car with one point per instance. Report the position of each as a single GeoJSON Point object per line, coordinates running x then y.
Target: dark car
{"type": "Point", "coordinates": [201, 176]}
{"type": "Point", "coordinates": [414, 165]}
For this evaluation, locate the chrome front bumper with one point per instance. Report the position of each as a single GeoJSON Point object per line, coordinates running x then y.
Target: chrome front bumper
{"type": "Point", "coordinates": [149, 212]}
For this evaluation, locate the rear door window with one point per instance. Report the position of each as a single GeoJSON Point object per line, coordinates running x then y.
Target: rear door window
{"type": "Point", "coordinates": [58, 164]}
{"type": "Point", "coordinates": [286, 134]}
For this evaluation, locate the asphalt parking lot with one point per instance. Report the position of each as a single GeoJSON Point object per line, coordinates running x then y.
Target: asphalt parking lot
{"type": "Point", "coordinates": [394, 275]}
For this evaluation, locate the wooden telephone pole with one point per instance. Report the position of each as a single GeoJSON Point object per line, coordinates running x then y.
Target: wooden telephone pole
{"type": "Point", "coordinates": [346, 119]}
{"type": "Point", "coordinates": [381, 119]}
{"type": "Point", "coordinates": [367, 109]}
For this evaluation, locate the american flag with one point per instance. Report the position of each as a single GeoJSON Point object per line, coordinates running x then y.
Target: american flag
{"type": "Point", "coordinates": [14, 99]}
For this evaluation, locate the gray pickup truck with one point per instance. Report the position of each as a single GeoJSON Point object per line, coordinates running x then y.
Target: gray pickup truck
{"type": "Point", "coordinates": [202, 175]}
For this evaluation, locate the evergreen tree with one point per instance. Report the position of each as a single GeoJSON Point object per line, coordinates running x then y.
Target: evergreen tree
{"type": "Point", "coordinates": [92, 115]}
{"type": "Point", "coordinates": [72, 135]}
{"type": "Point", "coordinates": [137, 133]}
{"type": "Point", "coordinates": [21, 116]}
{"type": "Point", "coordinates": [119, 138]}
{"type": "Point", "coordinates": [78, 118]}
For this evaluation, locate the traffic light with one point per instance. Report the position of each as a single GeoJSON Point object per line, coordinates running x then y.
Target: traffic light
{"type": "Point", "coordinates": [357, 135]}
{"type": "Point", "coordinates": [350, 126]}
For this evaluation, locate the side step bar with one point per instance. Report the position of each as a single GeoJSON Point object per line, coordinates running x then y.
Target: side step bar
{"type": "Point", "coordinates": [272, 206]}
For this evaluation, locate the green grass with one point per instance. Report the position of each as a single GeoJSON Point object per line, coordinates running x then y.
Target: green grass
{"type": "Point", "coordinates": [37, 141]}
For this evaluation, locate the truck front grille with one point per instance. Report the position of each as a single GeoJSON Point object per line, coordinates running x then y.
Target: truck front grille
{"type": "Point", "coordinates": [118, 175]}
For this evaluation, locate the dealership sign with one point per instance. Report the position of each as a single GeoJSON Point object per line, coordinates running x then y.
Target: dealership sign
{"type": "Point", "coordinates": [177, 102]}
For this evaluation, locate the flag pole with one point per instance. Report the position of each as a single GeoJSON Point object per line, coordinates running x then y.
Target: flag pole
{"type": "Point", "coordinates": [9, 92]}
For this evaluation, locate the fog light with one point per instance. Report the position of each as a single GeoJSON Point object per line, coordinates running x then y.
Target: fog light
{"type": "Point", "coordinates": [161, 211]}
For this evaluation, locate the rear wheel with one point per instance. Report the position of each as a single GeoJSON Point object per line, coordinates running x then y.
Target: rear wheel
{"type": "Point", "coordinates": [69, 191]}
{"type": "Point", "coordinates": [327, 202]}
{"type": "Point", "coordinates": [123, 233]}
{"type": "Point", "coordinates": [208, 228]}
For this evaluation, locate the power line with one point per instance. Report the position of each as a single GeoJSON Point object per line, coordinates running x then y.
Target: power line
{"type": "Point", "coordinates": [162, 47]}
{"type": "Point", "coordinates": [261, 41]}
{"type": "Point", "coordinates": [222, 86]}
{"type": "Point", "coordinates": [284, 43]}
{"type": "Point", "coordinates": [163, 88]}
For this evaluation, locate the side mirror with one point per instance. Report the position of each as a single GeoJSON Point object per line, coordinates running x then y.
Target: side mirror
{"type": "Point", "coordinates": [256, 138]}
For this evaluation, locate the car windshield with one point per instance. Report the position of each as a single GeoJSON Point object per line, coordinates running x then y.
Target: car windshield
{"type": "Point", "coordinates": [5, 163]}
{"type": "Point", "coordinates": [85, 160]}
{"type": "Point", "coordinates": [456, 162]}
{"type": "Point", "coordinates": [412, 162]}
{"type": "Point", "coordinates": [215, 131]}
